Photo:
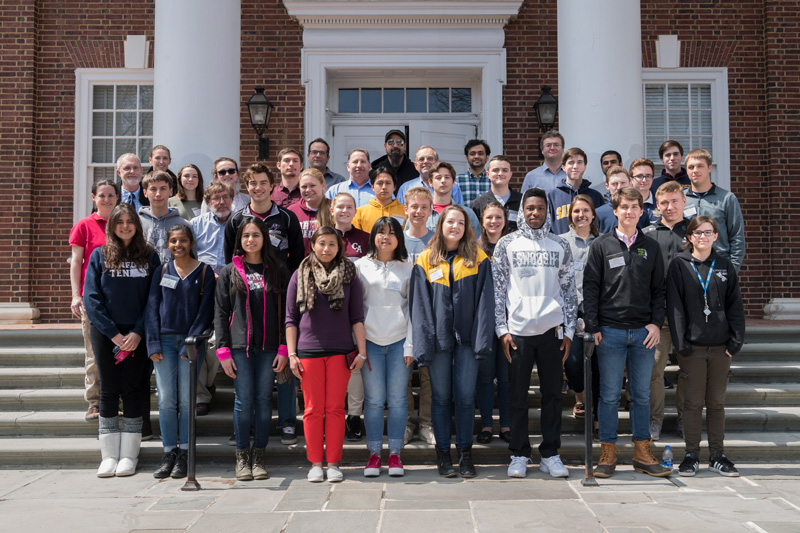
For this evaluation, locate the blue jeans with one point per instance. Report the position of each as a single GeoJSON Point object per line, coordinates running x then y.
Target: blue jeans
{"type": "Point", "coordinates": [618, 348]}
{"type": "Point", "coordinates": [253, 384]}
{"type": "Point", "coordinates": [287, 402]}
{"type": "Point", "coordinates": [494, 366]}
{"type": "Point", "coordinates": [453, 379]}
{"type": "Point", "coordinates": [172, 379]}
{"type": "Point", "coordinates": [385, 383]}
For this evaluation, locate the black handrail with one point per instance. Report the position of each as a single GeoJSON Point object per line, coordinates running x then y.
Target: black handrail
{"type": "Point", "coordinates": [192, 344]}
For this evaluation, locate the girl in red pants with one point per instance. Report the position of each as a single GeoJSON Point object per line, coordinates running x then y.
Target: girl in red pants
{"type": "Point", "coordinates": [324, 311]}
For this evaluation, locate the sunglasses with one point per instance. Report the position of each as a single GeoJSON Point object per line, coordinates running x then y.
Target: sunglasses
{"type": "Point", "coordinates": [226, 171]}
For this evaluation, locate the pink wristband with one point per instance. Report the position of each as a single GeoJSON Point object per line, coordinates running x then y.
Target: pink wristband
{"type": "Point", "coordinates": [283, 350]}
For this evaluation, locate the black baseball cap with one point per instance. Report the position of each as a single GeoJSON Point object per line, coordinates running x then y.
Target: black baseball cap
{"type": "Point", "coordinates": [395, 132]}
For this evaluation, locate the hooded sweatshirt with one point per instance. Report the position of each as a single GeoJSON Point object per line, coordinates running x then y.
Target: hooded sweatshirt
{"type": "Point", "coordinates": [534, 281]}
{"type": "Point", "coordinates": [155, 230]}
{"type": "Point", "coordinates": [560, 199]}
{"type": "Point", "coordinates": [368, 215]}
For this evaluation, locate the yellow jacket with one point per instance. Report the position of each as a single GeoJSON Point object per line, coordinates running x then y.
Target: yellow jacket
{"type": "Point", "coordinates": [368, 215]}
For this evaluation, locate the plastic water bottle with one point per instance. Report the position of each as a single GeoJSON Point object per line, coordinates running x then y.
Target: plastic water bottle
{"type": "Point", "coordinates": [666, 459]}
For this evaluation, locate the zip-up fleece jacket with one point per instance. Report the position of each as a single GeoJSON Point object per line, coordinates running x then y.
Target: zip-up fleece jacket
{"type": "Point", "coordinates": [534, 281]}
{"type": "Point", "coordinates": [307, 218]}
{"type": "Point", "coordinates": [385, 288]}
{"type": "Point", "coordinates": [687, 322]}
{"type": "Point", "coordinates": [623, 288]}
{"type": "Point", "coordinates": [451, 304]}
{"type": "Point", "coordinates": [155, 230]}
{"type": "Point", "coordinates": [670, 240]}
{"type": "Point", "coordinates": [560, 199]}
{"type": "Point", "coordinates": [233, 320]}
{"type": "Point", "coordinates": [723, 207]}
{"type": "Point", "coordinates": [284, 234]}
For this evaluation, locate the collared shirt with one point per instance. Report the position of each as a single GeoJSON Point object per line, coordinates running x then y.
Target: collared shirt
{"type": "Point", "coordinates": [240, 201]}
{"type": "Point", "coordinates": [283, 196]}
{"type": "Point", "coordinates": [472, 186]}
{"type": "Point", "coordinates": [131, 198]}
{"type": "Point", "coordinates": [209, 237]}
{"type": "Point", "coordinates": [544, 178]}
{"type": "Point", "coordinates": [332, 178]}
{"type": "Point", "coordinates": [624, 238]}
{"type": "Point", "coordinates": [362, 194]}
{"type": "Point", "coordinates": [455, 192]}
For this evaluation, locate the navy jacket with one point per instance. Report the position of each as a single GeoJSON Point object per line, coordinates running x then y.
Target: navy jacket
{"type": "Point", "coordinates": [559, 200]}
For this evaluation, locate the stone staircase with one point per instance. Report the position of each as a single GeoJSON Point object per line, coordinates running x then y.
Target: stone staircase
{"type": "Point", "coordinates": [42, 408]}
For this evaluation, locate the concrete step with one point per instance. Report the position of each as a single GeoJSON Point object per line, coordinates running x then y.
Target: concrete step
{"type": "Point", "coordinates": [85, 451]}
{"type": "Point", "coordinates": [42, 356]}
{"type": "Point", "coordinates": [67, 335]}
{"type": "Point", "coordinates": [41, 377]}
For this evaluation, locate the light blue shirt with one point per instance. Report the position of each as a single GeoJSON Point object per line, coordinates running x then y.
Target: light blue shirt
{"type": "Point", "coordinates": [132, 198]}
{"type": "Point", "coordinates": [455, 192]}
{"type": "Point", "coordinates": [209, 235]}
{"type": "Point", "coordinates": [361, 194]}
{"type": "Point", "coordinates": [544, 178]}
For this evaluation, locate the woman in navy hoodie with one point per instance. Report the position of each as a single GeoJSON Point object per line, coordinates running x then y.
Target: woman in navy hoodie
{"type": "Point", "coordinates": [115, 297]}
{"type": "Point", "coordinates": [249, 328]}
{"type": "Point", "coordinates": [181, 304]}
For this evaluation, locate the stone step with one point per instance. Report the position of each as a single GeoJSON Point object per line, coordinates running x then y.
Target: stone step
{"type": "Point", "coordinates": [72, 423]}
{"type": "Point", "coordinates": [85, 451]}
{"type": "Point", "coordinates": [41, 377]}
{"type": "Point", "coordinates": [42, 356]}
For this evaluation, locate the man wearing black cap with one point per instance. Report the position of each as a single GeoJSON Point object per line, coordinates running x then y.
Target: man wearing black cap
{"type": "Point", "coordinates": [395, 145]}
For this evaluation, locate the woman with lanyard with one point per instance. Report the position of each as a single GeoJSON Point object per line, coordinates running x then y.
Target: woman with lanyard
{"type": "Point", "coordinates": [452, 317]}
{"type": "Point", "coordinates": [494, 224]}
{"type": "Point", "coordinates": [385, 274]}
{"type": "Point", "coordinates": [248, 327]}
{"type": "Point", "coordinates": [324, 312]}
{"type": "Point", "coordinates": [706, 320]}
{"type": "Point", "coordinates": [181, 304]}
{"type": "Point", "coordinates": [90, 233]}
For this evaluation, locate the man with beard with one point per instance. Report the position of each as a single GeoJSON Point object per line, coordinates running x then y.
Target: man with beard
{"type": "Point", "coordinates": [395, 145]}
{"type": "Point", "coordinates": [129, 170]}
{"type": "Point", "coordinates": [474, 182]}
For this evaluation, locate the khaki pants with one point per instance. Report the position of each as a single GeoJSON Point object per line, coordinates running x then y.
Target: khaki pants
{"type": "Point", "coordinates": [91, 380]}
{"type": "Point", "coordinates": [355, 394]}
{"type": "Point", "coordinates": [208, 371]}
{"type": "Point", "coordinates": [705, 373]}
{"type": "Point", "coordinates": [424, 398]}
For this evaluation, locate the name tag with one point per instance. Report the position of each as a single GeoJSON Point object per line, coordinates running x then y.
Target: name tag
{"type": "Point", "coordinates": [616, 262]}
{"type": "Point", "coordinates": [512, 216]}
{"type": "Point", "coordinates": [278, 242]}
{"type": "Point", "coordinates": [690, 211]}
{"type": "Point", "coordinates": [578, 265]}
{"type": "Point", "coordinates": [196, 211]}
{"type": "Point", "coordinates": [437, 274]}
{"type": "Point", "coordinates": [169, 281]}
{"type": "Point", "coordinates": [393, 283]}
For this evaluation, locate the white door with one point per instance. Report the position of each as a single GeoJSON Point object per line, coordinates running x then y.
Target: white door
{"type": "Point", "coordinates": [346, 138]}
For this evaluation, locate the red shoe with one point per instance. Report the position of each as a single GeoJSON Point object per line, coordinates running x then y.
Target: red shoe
{"type": "Point", "coordinates": [373, 468]}
{"type": "Point", "coordinates": [395, 466]}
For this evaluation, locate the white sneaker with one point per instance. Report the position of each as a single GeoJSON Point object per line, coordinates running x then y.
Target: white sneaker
{"type": "Point", "coordinates": [408, 435]}
{"type": "Point", "coordinates": [518, 466]}
{"type": "Point", "coordinates": [316, 475]}
{"type": "Point", "coordinates": [426, 434]}
{"type": "Point", "coordinates": [655, 430]}
{"type": "Point", "coordinates": [554, 466]}
{"type": "Point", "coordinates": [334, 474]}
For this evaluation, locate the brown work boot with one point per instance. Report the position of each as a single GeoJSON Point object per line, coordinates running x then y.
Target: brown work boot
{"type": "Point", "coordinates": [645, 462]}
{"type": "Point", "coordinates": [608, 460]}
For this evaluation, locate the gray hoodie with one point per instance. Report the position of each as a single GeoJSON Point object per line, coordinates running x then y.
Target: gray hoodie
{"type": "Point", "coordinates": [155, 230]}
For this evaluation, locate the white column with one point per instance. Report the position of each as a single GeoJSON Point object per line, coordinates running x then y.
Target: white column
{"type": "Point", "coordinates": [600, 80]}
{"type": "Point", "coordinates": [197, 100]}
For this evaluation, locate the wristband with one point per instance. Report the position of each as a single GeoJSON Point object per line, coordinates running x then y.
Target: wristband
{"type": "Point", "coordinates": [293, 354]}
{"type": "Point", "coordinates": [364, 357]}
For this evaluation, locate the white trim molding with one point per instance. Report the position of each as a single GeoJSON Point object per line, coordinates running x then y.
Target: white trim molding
{"type": "Point", "coordinates": [782, 309]}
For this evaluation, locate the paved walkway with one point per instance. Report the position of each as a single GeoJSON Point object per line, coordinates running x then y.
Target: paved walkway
{"type": "Point", "coordinates": [765, 498]}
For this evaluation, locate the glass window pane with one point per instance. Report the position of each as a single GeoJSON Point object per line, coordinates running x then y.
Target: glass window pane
{"type": "Point", "coordinates": [103, 173]}
{"type": "Point", "coordinates": [685, 141]}
{"type": "Point", "coordinates": [102, 124]}
{"type": "Point", "coordinates": [370, 100]}
{"type": "Point", "coordinates": [348, 100]}
{"type": "Point", "coordinates": [145, 97]}
{"type": "Point", "coordinates": [416, 100]}
{"type": "Point", "coordinates": [678, 123]}
{"type": "Point", "coordinates": [103, 97]}
{"type": "Point", "coordinates": [462, 101]}
{"type": "Point", "coordinates": [656, 122]}
{"type": "Point", "coordinates": [654, 97]}
{"type": "Point", "coordinates": [652, 146]}
{"type": "Point", "coordinates": [393, 101]}
{"type": "Point", "coordinates": [126, 96]}
{"type": "Point", "coordinates": [701, 96]}
{"type": "Point", "coordinates": [124, 146]}
{"type": "Point", "coordinates": [146, 123]}
{"type": "Point", "coordinates": [145, 145]}
{"type": "Point", "coordinates": [705, 143]}
{"type": "Point", "coordinates": [126, 124]}
{"type": "Point", "coordinates": [701, 123]}
{"type": "Point", "coordinates": [438, 101]}
{"type": "Point", "coordinates": [101, 151]}
{"type": "Point", "coordinates": [678, 96]}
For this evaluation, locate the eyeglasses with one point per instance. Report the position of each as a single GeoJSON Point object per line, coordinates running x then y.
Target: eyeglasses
{"type": "Point", "coordinates": [393, 142]}
{"type": "Point", "coordinates": [218, 199]}
{"type": "Point", "coordinates": [552, 145]}
{"type": "Point", "coordinates": [704, 233]}
{"type": "Point", "coordinates": [642, 177]}
{"type": "Point", "coordinates": [317, 152]}
{"type": "Point", "coordinates": [224, 171]}
{"type": "Point", "coordinates": [426, 158]}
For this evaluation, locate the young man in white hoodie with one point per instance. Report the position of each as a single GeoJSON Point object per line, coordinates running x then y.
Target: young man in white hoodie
{"type": "Point", "coordinates": [536, 306]}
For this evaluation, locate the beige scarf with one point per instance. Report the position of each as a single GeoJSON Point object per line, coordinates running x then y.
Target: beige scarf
{"type": "Point", "coordinates": [311, 275]}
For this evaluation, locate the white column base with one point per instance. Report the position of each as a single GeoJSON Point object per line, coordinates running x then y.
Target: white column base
{"type": "Point", "coordinates": [18, 313]}
{"type": "Point", "coordinates": [782, 309]}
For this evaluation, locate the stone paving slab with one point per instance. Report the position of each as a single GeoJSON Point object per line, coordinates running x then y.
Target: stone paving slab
{"type": "Point", "coordinates": [433, 520]}
{"type": "Point", "coordinates": [339, 522]}
{"type": "Point", "coordinates": [534, 516]}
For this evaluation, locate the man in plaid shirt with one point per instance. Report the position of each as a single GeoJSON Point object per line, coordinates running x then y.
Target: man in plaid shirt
{"type": "Point", "coordinates": [474, 182]}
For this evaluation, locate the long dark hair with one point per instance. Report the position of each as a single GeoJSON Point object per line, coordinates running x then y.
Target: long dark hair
{"type": "Point", "coordinates": [483, 240]}
{"type": "Point", "coordinates": [273, 276]}
{"type": "Point", "coordinates": [327, 230]}
{"type": "Point", "coordinates": [115, 252]}
{"type": "Point", "coordinates": [400, 253]}
{"type": "Point", "coordinates": [198, 192]}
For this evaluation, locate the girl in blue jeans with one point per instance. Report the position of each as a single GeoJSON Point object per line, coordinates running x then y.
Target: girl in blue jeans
{"type": "Point", "coordinates": [181, 304]}
{"type": "Point", "coordinates": [385, 275]}
{"type": "Point", "coordinates": [452, 318]}
{"type": "Point", "coordinates": [248, 323]}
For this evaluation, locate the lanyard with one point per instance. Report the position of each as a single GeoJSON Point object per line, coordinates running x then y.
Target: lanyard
{"type": "Point", "coordinates": [704, 285]}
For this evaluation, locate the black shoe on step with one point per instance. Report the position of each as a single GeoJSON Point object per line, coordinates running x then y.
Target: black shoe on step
{"type": "Point", "coordinates": [352, 428]}
{"type": "Point", "coordinates": [167, 464]}
{"type": "Point", "coordinates": [444, 464]}
{"type": "Point", "coordinates": [465, 466]}
{"type": "Point", "coordinates": [180, 468]}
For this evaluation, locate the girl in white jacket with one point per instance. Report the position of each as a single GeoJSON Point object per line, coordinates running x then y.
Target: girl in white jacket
{"type": "Point", "coordinates": [385, 276]}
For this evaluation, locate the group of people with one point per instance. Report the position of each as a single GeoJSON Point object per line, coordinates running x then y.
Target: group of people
{"type": "Point", "coordinates": [343, 285]}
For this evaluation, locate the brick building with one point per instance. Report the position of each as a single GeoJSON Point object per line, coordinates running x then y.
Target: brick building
{"type": "Point", "coordinates": [82, 82]}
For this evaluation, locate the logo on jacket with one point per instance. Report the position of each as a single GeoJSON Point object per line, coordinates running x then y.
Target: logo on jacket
{"type": "Point", "coordinates": [643, 253]}
{"type": "Point", "coordinates": [357, 247]}
{"type": "Point", "coordinates": [723, 276]}
{"type": "Point", "coordinates": [536, 258]}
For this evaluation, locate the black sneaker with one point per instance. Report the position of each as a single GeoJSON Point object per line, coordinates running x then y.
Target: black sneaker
{"type": "Point", "coordinates": [689, 465]}
{"type": "Point", "coordinates": [353, 431]}
{"type": "Point", "coordinates": [167, 464]}
{"type": "Point", "coordinates": [721, 464]}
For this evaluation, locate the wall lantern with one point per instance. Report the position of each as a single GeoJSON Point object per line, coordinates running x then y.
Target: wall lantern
{"type": "Point", "coordinates": [546, 108]}
{"type": "Point", "coordinates": [260, 109]}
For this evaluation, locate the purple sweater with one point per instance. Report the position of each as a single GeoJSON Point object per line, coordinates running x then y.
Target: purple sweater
{"type": "Point", "coordinates": [323, 330]}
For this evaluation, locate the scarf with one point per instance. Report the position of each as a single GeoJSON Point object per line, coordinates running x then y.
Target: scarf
{"type": "Point", "coordinates": [311, 275]}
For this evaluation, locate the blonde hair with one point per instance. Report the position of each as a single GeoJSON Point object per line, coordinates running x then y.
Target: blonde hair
{"type": "Point", "coordinates": [324, 217]}
{"type": "Point", "coordinates": [418, 192]}
{"type": "Point", "coordinates": [467, 247]}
